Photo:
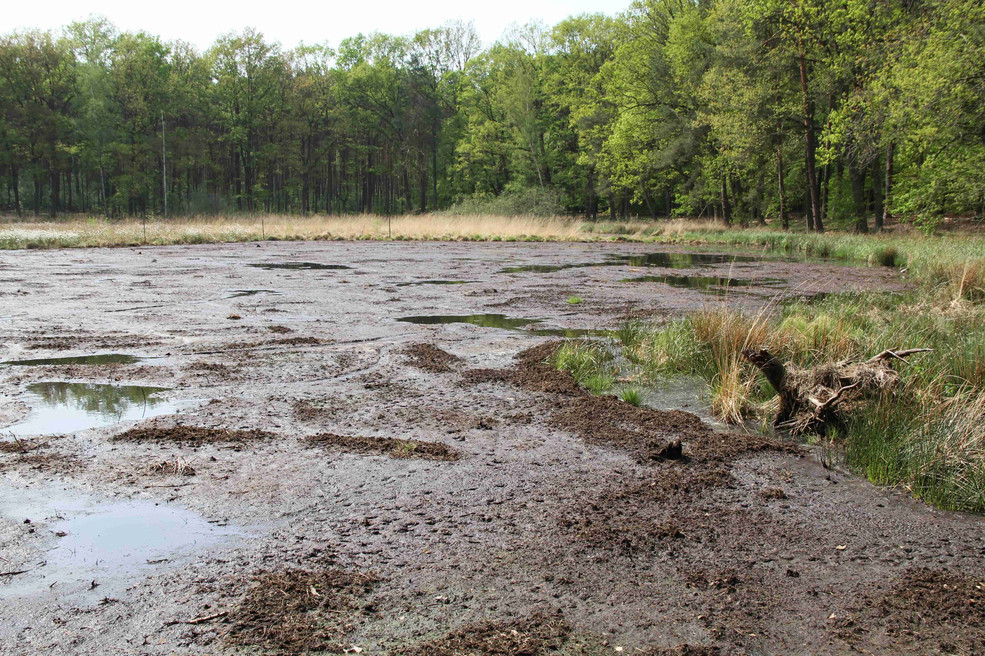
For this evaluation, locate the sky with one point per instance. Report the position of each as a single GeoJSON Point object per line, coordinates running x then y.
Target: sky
{"type": "Point", "coordinates": [293, 21]}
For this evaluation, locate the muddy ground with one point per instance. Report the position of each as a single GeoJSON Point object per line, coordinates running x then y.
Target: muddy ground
{"type": "Point", "coordinates": [319, 476]}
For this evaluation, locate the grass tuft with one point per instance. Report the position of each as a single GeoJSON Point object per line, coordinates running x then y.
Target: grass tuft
{"type": "Point", "coordinates": [632, 396]}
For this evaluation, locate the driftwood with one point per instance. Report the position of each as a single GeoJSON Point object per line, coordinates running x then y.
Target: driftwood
{"type": "Point", "coordinates": [814, 400]}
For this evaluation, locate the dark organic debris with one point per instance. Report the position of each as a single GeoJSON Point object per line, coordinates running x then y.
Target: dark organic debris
{"type": "Point", "coordinates": [192, 435]}
{"type": "Point", "coordinates": [19, 446]}
{"type": "Point", "coordinates": [945, 609]}
{"type": "Point", "coordinates": [34, 455]}
{"type": "Point", "coordinates": [300, 611]}
{"type": "Point", "coordinates": [683, 650]}
{"type": "Point", "coordinates": [385, 445]}
{"type": "Point", "coordinates": [280, 330]}
{"type": "Point", "coordinates": [313, 411]}
{"type": "Point", "coordinates": [537, 634]}
{"type": "Point", "coordinates": [431, 358]}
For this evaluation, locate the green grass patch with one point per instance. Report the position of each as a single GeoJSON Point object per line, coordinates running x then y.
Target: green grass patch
{"type": "Point", "coordinates": [589, 363]}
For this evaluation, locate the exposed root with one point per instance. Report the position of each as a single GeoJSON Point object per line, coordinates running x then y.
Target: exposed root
{"type": "Point", "coordinates": [813, 400]}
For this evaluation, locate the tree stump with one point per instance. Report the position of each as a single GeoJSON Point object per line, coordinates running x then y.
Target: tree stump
{"type": "Point", "coordinates": [816, 399]}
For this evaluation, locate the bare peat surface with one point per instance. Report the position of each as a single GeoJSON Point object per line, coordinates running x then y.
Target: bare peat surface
{"type": "Point", "coordinates": [318, 476]}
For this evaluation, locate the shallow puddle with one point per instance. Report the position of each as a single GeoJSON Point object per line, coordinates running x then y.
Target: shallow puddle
{"type": "Point", "coordinates": [297, 266]}
{"type": "Point", "coordinates": [482, 320]}
{"type": "Point", "coordinates": [58, 408]}
{"type": "Point", "coordinates": [663, 260]}
{"type": "Point", "coordinates": [433, 282]}
{"type": "Point", "coordinates": [506, 323]}
{"type": "Point", "coordinates": [101, 542]}
{"type": "Point", "coordinates": [103, 358]}
{"type": "Point", "coordinates": [239, 293]}
{"type": "Point", "coordinates": [710, 284]}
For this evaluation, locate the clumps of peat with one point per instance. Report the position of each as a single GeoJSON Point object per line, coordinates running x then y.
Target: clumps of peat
{"type": "Point", "coordinates": [943, 608]}
{"type": "Point", "coordinates": [535, 635]}
{"type": "Point", "coordinates": [388, 446]}
{"type": "Point", "coordinates": [192, 435]}
{"type": "Point", "coordinates": [33, 454]}
{"type": "Point", "coordinates": [431, 358]}
{"type": "Point", "coordinates": [651, 435]}
{"type": "Point", "coordinates": [300, 611]}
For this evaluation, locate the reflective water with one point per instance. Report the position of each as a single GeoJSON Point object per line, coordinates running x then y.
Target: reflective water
{"type": "Point", "coordinates": [103, 358]}
{"type": "Point", "coordinates": [297, 265]}
{"type": "Point", "coordinates": [433, 282]}
{"type": "Point", "coordinates": [237, 293]}
{"type": "Point", "coordinates": [104, 542]}
{"type": "Point", "coordinates": [58, 408]}
{"type": "Point", "coordinates": [663, 260]}
{"type": "Point", "coordinates": [711, 284]}
{"type": "Point", "coordinates": [506, 323]}
{"type": "Point", "coordinates": [483, 320]}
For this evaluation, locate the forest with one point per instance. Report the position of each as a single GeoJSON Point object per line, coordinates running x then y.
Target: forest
{"type": "Point", "coordinates": [824, 113]}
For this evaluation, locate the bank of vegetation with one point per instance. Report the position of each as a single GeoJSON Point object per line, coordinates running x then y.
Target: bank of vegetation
{"type": "Point", "coordinates": [839, 113]}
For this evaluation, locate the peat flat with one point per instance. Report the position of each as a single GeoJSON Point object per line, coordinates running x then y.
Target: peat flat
{"type": "Point", "coordinates": [419, 488]}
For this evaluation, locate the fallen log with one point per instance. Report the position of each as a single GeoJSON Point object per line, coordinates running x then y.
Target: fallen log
{"type": "Point", "coordinates": [816, 399]}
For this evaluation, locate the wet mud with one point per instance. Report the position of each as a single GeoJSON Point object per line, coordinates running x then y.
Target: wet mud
{"type": "Point", "coordinates": [368, 484]}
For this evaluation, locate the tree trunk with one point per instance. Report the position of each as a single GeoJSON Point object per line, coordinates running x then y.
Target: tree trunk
{"type": "Point", "coordinates": [857, 178]}
{"type": "Point", "coordinates": [814, 221]}
{"type": "Point", "coordinates": [877, 199]}
{"type": "Point", "coordinates": [883, 218]}
{"type": "Point", "coordinates": [726, 207]}
{"type": "Point", "coordinates": [17, 191]}
{"type": "Point", "coordinates": [784, 218]}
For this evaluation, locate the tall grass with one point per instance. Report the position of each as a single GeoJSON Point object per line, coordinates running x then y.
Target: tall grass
{"type": "Point", "coordinates": [195, 230]}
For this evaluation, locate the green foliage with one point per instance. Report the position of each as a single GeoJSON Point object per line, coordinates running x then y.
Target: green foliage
{"type": "Point", "coordinates": [674, 108]}
{"type": "Point", "coordinates": [632, 395]}
{"type": "Point", "coordinates": [589, 363]}
{"type": "Point", "coordinates": [531, 201]}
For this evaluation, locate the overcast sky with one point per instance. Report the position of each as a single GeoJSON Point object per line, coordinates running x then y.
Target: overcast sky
{"type": "Point", "coordinates": [293, 21]}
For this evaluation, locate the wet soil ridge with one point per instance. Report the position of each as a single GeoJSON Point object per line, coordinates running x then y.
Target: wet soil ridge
{"type": "Point", "coordinates": [388, 446]}
{"type": "Point", "coordinates": [538, 634]}
{"type": "Point", "coordinates": [299, 611]}
{"type": "Point", "coordinates": [925, 610]}
{"type": "Point", "coordinates": [192, 435]}
{"type": "Point", "coordinates": [431, 358]}
{"type": "Point", "coordinates": [650, 435]}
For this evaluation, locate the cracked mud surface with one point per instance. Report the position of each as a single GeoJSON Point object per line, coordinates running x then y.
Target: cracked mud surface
{"type": "Point", "coordinates": [319, 431]}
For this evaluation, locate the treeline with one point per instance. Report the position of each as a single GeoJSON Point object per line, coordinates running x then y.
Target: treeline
{"type": "Point", "coordinates": [740, 109]}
